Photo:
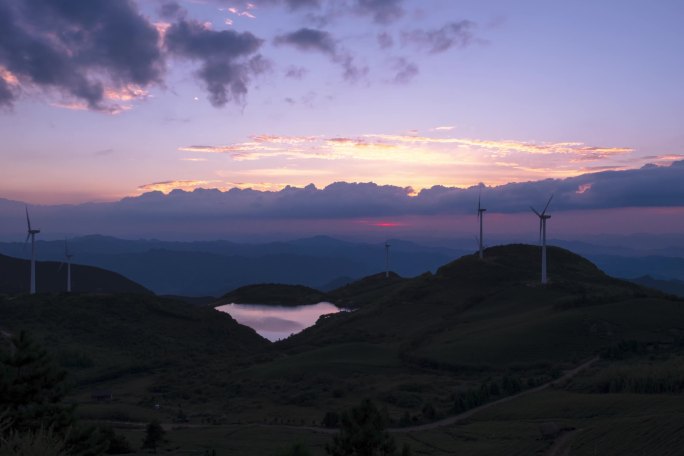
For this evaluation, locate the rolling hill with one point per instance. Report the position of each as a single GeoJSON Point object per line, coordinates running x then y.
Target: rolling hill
{"type": "Point", "coordinates": [51, 276]}
{"type": "Point", "coordinates": [274, 294]}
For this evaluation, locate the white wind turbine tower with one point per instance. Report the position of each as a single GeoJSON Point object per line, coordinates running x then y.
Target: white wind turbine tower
{"type": "Point", "coordinates": [68, 257]}
{"type": "Point", "coordinates": [542, 237]}
{"type": "Point", "coordinates": [480, 216]}
{"type": "Point", "coordinates": [387, 247]}
{"type": "Point", "coordinates": [32, 234]}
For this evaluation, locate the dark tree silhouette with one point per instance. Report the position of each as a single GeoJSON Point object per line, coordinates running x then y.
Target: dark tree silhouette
{"type": "Point", "coordinates": [363, 433]}
{"type": "Point", "coordinates": [31, 392]}
{"type": "Point", "coordinates": [32, 388]}
{"type": "Point", "coordinates": [154, 434]}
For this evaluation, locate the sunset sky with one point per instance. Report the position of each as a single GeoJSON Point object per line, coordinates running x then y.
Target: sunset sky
{"type": "Point", "coordinates": [119, 103]}
{"type": "Point", "coordinates": [149, 95]}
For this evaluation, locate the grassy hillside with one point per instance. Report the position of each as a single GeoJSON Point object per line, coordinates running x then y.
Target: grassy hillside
{"type": "Point", "coordinates": [365, 291]}
{"type": "Point", "coordinates": [51, 276]}
{"type": "Point", "coordinates": [141, 348]}
{"type": "Point", "coordinates": [423, 348]}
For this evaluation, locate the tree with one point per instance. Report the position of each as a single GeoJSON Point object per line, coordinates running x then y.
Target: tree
{"type": "Point", "coordinates": [42, 442]}
{"type": "Point", "coordinates": [116, 443]}
{"type": "Point", "coordinates": [154, 434]}
{"type": "Point", "coordinates": [32, 388]}
{"type": "Point", "coordinates": [363, 433]}
{"type": "Point", "coordinates": [32, 413]}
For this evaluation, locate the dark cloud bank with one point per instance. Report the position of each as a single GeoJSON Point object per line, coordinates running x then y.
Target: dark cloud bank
{"type": "Point", "coordinates": [650, 186]}
{"type": "Point", "coordinates": [77, 48]}
{"type": "Point", "coordinates": [83, 50]}
{"type": "Point", "coordinates": [95, 53]}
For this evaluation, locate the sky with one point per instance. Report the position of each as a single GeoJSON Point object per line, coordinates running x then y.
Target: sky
{"type": "Point", "coordinates": [102, 101]}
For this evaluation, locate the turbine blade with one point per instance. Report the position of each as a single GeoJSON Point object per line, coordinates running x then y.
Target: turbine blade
{"type": "Point", "coordinates": [547, 205]}
{"type": "Point", "coordinates": [535, 211]}
{"type": "Point", "coordinates": [28, 220]}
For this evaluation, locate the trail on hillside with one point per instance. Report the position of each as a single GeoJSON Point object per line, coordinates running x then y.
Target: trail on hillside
{"type": "Point", "coordinates": [561, 446]}
{"type": "Point", "coordinates": [467, 414]}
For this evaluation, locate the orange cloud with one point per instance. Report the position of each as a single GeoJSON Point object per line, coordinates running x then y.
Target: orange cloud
{"type": "Point", "coordinates": [419, 161]}
{"type": "Point", "coordinates": [167, 186]}
{"type": "Point", "coordinates": [9, 77]}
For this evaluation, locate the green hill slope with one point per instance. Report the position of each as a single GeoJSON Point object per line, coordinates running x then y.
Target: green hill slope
{"type": "Point", "coordinates": [142, 348]}
{"type": "Point", "coordinates": [51, 276]}
{"type": "Point", "coordinates": [471, 322]}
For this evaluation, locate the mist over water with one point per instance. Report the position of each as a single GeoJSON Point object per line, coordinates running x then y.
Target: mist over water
{"type": "Point", "coordinates": [277, 322]}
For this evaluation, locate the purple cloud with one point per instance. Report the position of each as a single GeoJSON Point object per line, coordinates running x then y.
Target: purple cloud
{"type": "Point", "coordinates": [454, 34]}
{"type": "Point", "coordinates": [405, 71]}
{"type": "Point", "coordinates": [225, 67]}
{"type": "Point", "coordinates": [307, 39]}
{"type": "Point", "coordinates": [78, 49]}
{"type": "Point", "coordinates": [382, 11]}
{"type": "Point", "coordinates": [385, 40]}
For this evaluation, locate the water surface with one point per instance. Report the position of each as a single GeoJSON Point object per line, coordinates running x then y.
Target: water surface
{"type": "Point", "coordinates": [277, 322]}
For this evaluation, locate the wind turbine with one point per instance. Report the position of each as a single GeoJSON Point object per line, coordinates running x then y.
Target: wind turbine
{"type": "Point", "coordinates": [480, 217]}
{"type": "Point", "coordinates": [32, 234]}
{"type": "Point", "coordinates": [387, 247]}
{"type": "Point", "coordinates": [68, 257]}
{"type": "Point", "coordinates": [542, 237]}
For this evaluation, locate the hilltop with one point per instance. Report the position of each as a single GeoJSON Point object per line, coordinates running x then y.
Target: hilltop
{"type": "Point", "coordinates": [274, 294]}
{"type": "Point", "coordinates": [51, 276]}
{"type": "Point", "coordinates": [479, 319]}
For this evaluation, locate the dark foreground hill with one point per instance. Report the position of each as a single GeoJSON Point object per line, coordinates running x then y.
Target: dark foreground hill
{"type": "Point", "coordinates": [139, 347]}
{"type": "Point", "coordinates": [51, 276]}
{"type": "Point", "coordinates": [423, 349]}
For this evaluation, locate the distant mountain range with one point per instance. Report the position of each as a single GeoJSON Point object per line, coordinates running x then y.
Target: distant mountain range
{"type": "Point", "coordinates": [674, 287]}
{"type": "Point", "coordinates": [217, 267]}
{"type": "Point", "coordinates": [213, 268]}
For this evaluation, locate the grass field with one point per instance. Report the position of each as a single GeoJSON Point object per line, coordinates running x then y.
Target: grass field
{"type": "Point", "coordinates": [421, 348]}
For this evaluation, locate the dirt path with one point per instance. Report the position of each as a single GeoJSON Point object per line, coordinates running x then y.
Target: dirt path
{"type": "Point", "coordinates": [560, 446]}
{"type": "Point", "coordinates": [465, 415]}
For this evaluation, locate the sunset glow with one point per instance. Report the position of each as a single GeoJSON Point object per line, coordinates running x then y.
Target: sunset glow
{"type": "Point", "coordinates": [252, 96]}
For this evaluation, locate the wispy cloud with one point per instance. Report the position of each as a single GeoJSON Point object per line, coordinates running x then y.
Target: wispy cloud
{"type": "Point", "coordinates": [454, 34]}
{"type": "Point", "coordinates": [415, 159]}
{"type": "Point", "coordinates": [167, 186]}
{"type": "Point", "coordinates": [315, 40]}
{"type": "Point", "coordinates": [342, 147]}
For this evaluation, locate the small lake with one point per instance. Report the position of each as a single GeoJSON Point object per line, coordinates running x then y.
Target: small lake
{"type": "Point", "coordinates": [277, 322]}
